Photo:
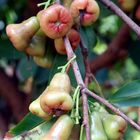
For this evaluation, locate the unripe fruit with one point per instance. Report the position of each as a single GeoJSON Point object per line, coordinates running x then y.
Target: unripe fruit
{"type": "Point", "coordinates": [114, 126]}
{"type": "Point", "coordinates": [61, 129]}
{"type": "Point", "coordinates": [127, 5]}
{"type": "Point", "coordinates": [74, 39]}
{"type": "Point", "coordinates": [137, 14]}
{"type": "Point", "coordinates": [96, 127]}
{"type": "Point", "coordinates": [55, 21]}
{"type": "Point", "coordinates": [56, 101]}
{"type": "Point", "coordinates": [37, 110]}
{"type": "Point", "coordinates": [21, 34]}
{"type": "Point", "coordinates": [45, 61]}
{"type": "Point", "coordinates": [37, 44]}
{"type": "Point", "coordinates": [87, 10]}
{"type": "Point", "coordinates": [55, 98]}
{"type": "Point", "coordinates": [61, 81]}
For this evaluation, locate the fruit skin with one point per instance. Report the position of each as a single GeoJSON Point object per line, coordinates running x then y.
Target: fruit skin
{"type": "Point", "coordinates": [45, 61]}
{"type": "Point", "coordinates": [20, 34]}
{"type": "Point", "coordinates": [127, 5]}
{"type": "Point", "coordinates": [96, 127]}
{"type": "Point", "coordinates": [137, 14]}
{"type": "Point", "coordinates": [114, 126]}
{"type": "Point", "coordinates": [74, 39]}
{"type": "Point", "coordinates": [61, 81]}
{"type": "Point", "coordinates": [37, 44]}
{"type": "Point", "coordinates": [87, 9]}
{"type": "Point", "coordinates": [37, 110]}
{"type": "Point", "coordinates": [56, 98]}
{"type": "Point", "coordinates": [61, 129]}
{"type": "Point", "coordinates": [56, 102]}
{"type": "Point", "coordinates": [67, 3]}
{"type": "Point", "coordinates": [55, 21]}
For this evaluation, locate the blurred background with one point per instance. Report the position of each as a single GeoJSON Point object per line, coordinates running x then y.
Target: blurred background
{"type": "Point", "coordinates": [22, 81]}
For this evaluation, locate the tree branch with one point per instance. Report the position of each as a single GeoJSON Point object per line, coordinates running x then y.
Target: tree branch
{"type": "Point", "coordinates": [113, 7]}
{"type": "Point", "coordinates": [79, 79]}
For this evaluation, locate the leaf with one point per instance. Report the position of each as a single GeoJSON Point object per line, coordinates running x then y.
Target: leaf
{"type": "Point", "coordinates": [128, 102]}
{"type": "Point", "coordinates": [128, 94]}
{"type": "Point", "coordinates": [8, 51]}
{"type": "Point", "coordinates": [42, 76]}
{"type": "Point", "coordinates": [88, 36]}
{"type": "Point", "coordinates": [25, 69]}
{"type": "Point", "coordinates": [37, 132]}
{"type": "Point", "coordinates": [29, 122]}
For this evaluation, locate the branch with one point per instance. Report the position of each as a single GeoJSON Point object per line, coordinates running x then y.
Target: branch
{"type": "Point", "coordinates": [111, 107]}
{"type": "Point", "coordinates": [84, 96]}
{"type": "Point", "coordinates": [112, 53]}
{"type": "Point", "coordinates": [84, 90]}
{"type": "Point", "coordinates": [80, 82]}
{"type": "Point", "coordinates": [113, 7]}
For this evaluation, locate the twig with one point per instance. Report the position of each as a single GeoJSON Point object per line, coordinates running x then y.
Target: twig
{"type": "Point", "coordinates": [113, 7]}
{"type": "Point", "coordinates": [139, 115]}
{"type": "Point", "coordinates": [86, 81]}
{"type": "Point", "coordinates": [110, 106]}
{"type": "Point", "coordinates": [78, 76]}
{"type": "Point", "coordinates": [80, 82]}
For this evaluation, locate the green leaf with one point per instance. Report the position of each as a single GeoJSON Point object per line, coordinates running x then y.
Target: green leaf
{"type": "Point", "coordinates": [25, 69]}
{"type": "Point", "coordinates": [8, 51]}
{"type": "Point", "coordinates": [88, 36]}
{"type": "Point", "coordinates": [42, 76]}
{"type": "Point", "coordinates": [129, 94]}
{"type": "Point", "coordinates": [29, 122]}
{"type": "Point", "coordinates": [37, 132]}
{"type": "Point", "coordinates": [128, 102]}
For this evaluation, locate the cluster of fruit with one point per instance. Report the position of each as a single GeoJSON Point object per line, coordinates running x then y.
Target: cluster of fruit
{"type": "Point", "coordinates": [106, 126]}
{"type": "Point", "coordinates": [52, 24]}
{"type": "Point", "coordinates": [129, 5]}
{"type": "Point", "coordinates": [56, 100]}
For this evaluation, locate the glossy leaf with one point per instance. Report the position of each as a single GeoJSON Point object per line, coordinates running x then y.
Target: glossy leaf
{"type": "Point", "coordinates": [88, 36]}
{"type": "Point", "coordinates": [128, 94]}
{"type": "Point", "coordinates": [8, 51]}
{"type": "Point", "coordinates": [29, 122]}
{"type": "Point", "coordinates": [25, 69]}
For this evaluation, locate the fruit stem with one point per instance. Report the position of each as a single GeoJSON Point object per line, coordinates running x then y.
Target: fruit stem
{"type": "Point", "coordinates": [66, 65]}
{"type": "Point", "coordinates": [81, 132]}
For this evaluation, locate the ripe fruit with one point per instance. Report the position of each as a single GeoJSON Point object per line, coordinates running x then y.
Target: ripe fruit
{"type": "Point", "coordinates": [61, 129]}
{"type": "Point", "coordinates": [37, 44]}
{"type": "Point", "coordinates": [74, 39]}
{"type": "Point", "coordinates": [21, 34]}
{"type": "Point", "coordinates": [87, 10]}
{"type": "Point", "coordinates": [37, 110]}
{"type": "Point", "coordinates": [56, 99]}
{"type": "Point", "coordinates": [55, 21]}
{"type": "Point", "coordinates": [127, 5]}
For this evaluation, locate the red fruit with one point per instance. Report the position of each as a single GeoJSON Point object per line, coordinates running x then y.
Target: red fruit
{"type": "Point", "coordinates": [89, 10]}
{"type": "Point", "coordinates": [137, 15]}
{"type": "Point", "coordinates": [55, 21]}
{"type": "Point", "coordinates": [74, 39]}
